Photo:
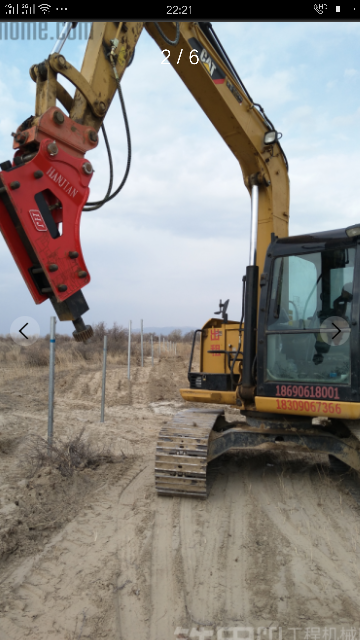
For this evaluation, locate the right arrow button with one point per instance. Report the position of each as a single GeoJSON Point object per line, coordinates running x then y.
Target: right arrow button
{"type": "Point", "coordinates": [339, 336]}
{"type": "Point", "coordinates": [338, 330]}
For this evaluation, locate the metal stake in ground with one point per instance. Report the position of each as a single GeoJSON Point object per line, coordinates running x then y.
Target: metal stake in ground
{"type": "Point", "coordinates": [159, 346]}
{"type": "Point", "coordinates": [129, 349]}
{"type": "Point", "coordinates": [51, 382]}
{"type": "Point", "coordinates": [152, 352]}
{"type": "Point", "coordinates": [103, 381]}
{"type": "Point", "coordinates": [142, 344]}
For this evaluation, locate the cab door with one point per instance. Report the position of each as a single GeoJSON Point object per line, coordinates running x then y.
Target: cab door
{"type": "Point", "coordinates": [306, 347]}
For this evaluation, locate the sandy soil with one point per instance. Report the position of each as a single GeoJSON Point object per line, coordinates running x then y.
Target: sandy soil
{"type": "Point", "coordinates": [100, 555]}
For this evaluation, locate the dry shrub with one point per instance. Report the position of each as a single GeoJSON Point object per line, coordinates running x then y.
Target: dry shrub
{"type": "Point", "coordinates": [10, 353]}
{"type": "Point", "coordinates": [188, 337]}
{"type": "Point", "coordinates": [117, 338]}
{"type": "Point", "coordinates": [68, 355]}
{"type": "Point", "coordinates": [66, 454]}
{"type": "Point", "coordinates": [175, 336]}
{"type": "Point", "coordinates": [89, 352]}
{"type": "Point", "coordinates": [37, 355]}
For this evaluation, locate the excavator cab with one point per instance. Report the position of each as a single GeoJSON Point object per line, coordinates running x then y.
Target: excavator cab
{"type": "Point", "coordinates": [305, 336]}
{"type": "Point", "coordinates": [308, 322]}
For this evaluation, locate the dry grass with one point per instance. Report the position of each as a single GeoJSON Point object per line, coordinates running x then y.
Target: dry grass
{"type": "Point", "coordinates": [64, 454]}
{"type": "Point", "coordinates": [15, 358]}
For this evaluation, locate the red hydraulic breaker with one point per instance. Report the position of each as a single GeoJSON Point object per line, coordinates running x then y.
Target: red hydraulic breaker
{"type": "Point", "coordinates": [42, 195]}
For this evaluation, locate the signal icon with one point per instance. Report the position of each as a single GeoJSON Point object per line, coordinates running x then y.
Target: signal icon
{"type": "Point", "coordinates": [44, 7]}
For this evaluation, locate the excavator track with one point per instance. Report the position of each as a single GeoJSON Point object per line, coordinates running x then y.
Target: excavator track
{"type": "Point", "coordinates": [181, 453]}
{"type": "Point", "coordinates": [355, 430]}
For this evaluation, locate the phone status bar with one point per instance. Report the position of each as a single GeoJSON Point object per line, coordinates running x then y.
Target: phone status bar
{"type": "Point", "coordinates": [160, 11]}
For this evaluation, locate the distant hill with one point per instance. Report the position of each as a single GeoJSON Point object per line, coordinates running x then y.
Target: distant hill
{"type": "Point", "coordinates": [164, 331]}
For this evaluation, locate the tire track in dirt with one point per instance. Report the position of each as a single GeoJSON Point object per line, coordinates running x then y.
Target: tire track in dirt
{"type": "Point", "coordinates": [132, 595]}
{"type": "Point", "coordinates": [187, 559]}
{"type": "Point", "coordinates": [167, 587]}
{"type": "Point", "coordinates": [139, 380]}
{"type": "Point", "coordinates": [149, 589]}
{"type": "Point", "coordinates": [313, 542]}
{"type": "Point", "coordinates": [212, 534]}
{"type": "Point", "coordinates": [150, 597]}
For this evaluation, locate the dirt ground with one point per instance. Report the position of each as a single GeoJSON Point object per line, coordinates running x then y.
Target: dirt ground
{"type": "Point", "coordinates": [273, 552]}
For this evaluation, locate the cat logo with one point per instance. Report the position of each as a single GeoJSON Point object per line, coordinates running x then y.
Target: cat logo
{"type": "Point", "coordinates": [216, 74]}
{"type": "Point", "coordinates": [207, 62]}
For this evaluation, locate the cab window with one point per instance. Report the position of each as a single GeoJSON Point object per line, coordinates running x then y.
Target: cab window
{"type": "Point", "coordinates": [308, 292]}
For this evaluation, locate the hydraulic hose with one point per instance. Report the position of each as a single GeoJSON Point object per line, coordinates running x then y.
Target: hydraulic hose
{"type": "Point", "coordinates": [108, 197]}
{"type": "Point", "coordinates": [177, 37]}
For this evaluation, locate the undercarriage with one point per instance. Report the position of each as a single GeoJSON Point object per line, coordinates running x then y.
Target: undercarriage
{"type": "Point", "coordinates": [197, 436]}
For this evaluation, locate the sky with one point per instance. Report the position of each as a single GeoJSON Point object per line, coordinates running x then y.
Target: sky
{"type": "Point", "coordinates": [176, 239]}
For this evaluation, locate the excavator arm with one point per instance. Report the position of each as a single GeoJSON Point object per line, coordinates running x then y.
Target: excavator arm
{"type": "Point", "coordinates": [44, 189]}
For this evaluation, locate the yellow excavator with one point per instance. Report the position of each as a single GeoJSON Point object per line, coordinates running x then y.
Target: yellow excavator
{"type": "Point", "coordinates": [291, 365]}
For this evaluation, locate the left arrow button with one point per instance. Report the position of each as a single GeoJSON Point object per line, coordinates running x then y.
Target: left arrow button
{"type": "Point", "coordinates": [23, 334]}
{"type": "Point", "coordinates": [27, 335]}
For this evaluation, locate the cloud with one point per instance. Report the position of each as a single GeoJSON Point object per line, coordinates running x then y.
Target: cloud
{"type": "Point", "coordinates": [16, 103]}
{"type": "Point", "coordinates": [318, 198]}
{"type": "Point", "coordinates": [331, 84]}
{"type": "Point", "coordinates": [198, 196]}
{"type": "Point", "coordinates": [272, 89]}
{"type": "Point", "coordinates": [350, 73]}
{"type": "Point", "coordinates": [348, 120]}
{"type": "Point", "coordinates": [181, 275]}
